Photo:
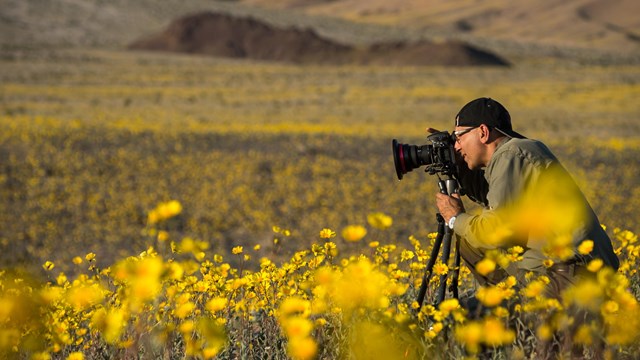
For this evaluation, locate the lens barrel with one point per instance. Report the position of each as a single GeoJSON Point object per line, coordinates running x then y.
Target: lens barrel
{"type": "Point", "coordinates": [408, 157]}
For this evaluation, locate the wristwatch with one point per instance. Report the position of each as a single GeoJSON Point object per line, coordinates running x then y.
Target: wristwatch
{"type": "Point", "coordinates": [451, 222]}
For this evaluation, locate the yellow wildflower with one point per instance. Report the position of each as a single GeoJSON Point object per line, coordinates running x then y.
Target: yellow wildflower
{"type": "Point", "coordinates": [406, 255]}
{"type": "Point", "coordinates": [440, 269]}
{"type": "Point", "coordinates": [544, 332]}
{"type": "Point", "coordinates": [302, 348]}
{"type": "Point", "coordinates": [353, 233]}
{"type": "Point", "coordinates": [327, 233]}
{"type": "Point", "coordinates": [297, 327]}
{"type": "Point", "coordinates": [169, 209]}
{"type": "Point", "coordinates": [111, 323]}
{"type": "Point", "coordinates": [586, 294]}
{"type": "Point", "coordinates": [595, 265]}
{"type": "Point", "coordinates": [485, 266]}
{"type": "Point", "coordinates": [184, 310]}
{"type": "Point", "coordinates": [213, 333]}
{"type": "Point", "coordinates": [237, 250]}
{"type": "Point", "coordinates": [379, 220]}
{"type": "Point", "coordinates": [511, 282]}
{"type": "Point", "coordinates": [449, 305]}
{"type": "Point", "coordinates": [216, 304]}
{"type": "Point", "coordinates": [495, 333]}
{"type": "Point", "coordinates": [61, 279]}
{"type": "Point", "coordinates": [534, 288]}
{"type": "Point", "coordinates": [81, 296]}
{"type": "Point", "coordinates": [470, 336]}
{"type": "Point", "coordinates": [75, 356]}
{"type": "Point", "coordinates": [49, 294]}
{"type": "Point", "coordinates": [360, 285]}
{"type": "Point", "coordinates": [187, 327]}
{"type": "Point", "coordinates": [41, 356]}
{"type": "Point", "coordinates": [610, 307]}
{"type": "Point", "coordinates": [163, 236]}
{"type": "Point", "coordinates": [437, 327]}
{"type": "Point", "coordinates": [294, 305]}
{"type": "Point", "coordinates": [48, 265]}
{"type": "Point", "coordinates": [491, 296]}
{"type": "Point", "coordinates": [585, 247]}
{"type": "Point", "coordinates": [583, 335]}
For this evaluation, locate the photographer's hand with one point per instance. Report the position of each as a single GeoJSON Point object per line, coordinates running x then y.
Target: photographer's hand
{"type": "Point", "coordinates": [449, 206]}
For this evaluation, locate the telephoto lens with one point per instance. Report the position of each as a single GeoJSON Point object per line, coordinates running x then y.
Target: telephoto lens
{"type": "Point", "coordinates": [408, 157]}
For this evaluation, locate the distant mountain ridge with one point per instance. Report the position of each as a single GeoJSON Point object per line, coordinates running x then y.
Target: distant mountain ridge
{"type": "Point", "coordinates": [224, 35]}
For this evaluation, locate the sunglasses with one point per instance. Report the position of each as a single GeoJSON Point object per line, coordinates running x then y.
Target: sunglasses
{"type": "Point", "coordinates": [456, 135]}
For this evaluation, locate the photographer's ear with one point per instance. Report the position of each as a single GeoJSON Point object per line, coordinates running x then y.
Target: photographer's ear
{"type": "Point", "coordinates": [485, 134]}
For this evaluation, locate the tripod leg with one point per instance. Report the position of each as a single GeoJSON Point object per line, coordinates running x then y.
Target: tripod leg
{"type": "Point", "coordinates": [446, 252]}
{"type": "Point", "coordinates": [456, 272]}
{"type": "Point", "coordinates": [432, 260]}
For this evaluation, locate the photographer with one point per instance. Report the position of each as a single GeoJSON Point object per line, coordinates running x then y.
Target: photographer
{"type": "Point", "coordinates": [528, 200]}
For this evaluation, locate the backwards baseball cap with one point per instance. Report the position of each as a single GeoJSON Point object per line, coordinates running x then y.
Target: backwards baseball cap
{"type": "Point", "coordinates": [489, 112]}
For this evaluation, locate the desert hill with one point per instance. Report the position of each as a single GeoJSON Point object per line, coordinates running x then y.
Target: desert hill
{"type": "Point", "coordinates": [602, 31]}
{"type": "Point", "coordinates": [245, 37]}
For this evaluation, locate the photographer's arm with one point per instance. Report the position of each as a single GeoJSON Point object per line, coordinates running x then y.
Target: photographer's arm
{"type": "Point", "coordinates": [481, 231]}
{"type": "Point", "coordinates": [478, 230]}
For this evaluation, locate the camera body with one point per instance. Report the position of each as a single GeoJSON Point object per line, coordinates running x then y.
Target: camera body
{"type": "Point", "coordinates": [438, 156]}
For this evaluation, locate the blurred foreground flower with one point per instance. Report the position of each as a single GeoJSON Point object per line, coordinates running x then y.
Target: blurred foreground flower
{"type": "Point", "coordinates": [548, 213]}
{"type": "Point", "coordinates": [359, 285]}
{"type": "Point", "coordinates": [372, 340]}
{"type": "Point", "coordinates": [110, 322]}
{"type": "Point", "coordinates": [293, 317]}
{"type": "Point", "coordinates": [490, 331]}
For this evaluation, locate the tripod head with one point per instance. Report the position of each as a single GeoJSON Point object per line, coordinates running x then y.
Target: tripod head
{"type": "Point", "coordinates": [448, 186]}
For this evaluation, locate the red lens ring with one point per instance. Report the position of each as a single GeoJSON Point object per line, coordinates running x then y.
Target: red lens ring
{"type": "Point", "coordinates": [401, 150]}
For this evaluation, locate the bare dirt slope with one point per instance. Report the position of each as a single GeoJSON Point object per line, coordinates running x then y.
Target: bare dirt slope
{"type": "Point", "coordinates": [601, 24]}
{"type": "Point", "coordinates": [245, 37]}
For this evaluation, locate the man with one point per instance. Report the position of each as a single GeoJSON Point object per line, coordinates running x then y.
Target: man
{"type": "Point", "coordinates": [529, 200]}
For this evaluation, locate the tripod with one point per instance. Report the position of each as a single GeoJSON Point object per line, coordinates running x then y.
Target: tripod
{"type": "Point", "coordinates": [443, 239]}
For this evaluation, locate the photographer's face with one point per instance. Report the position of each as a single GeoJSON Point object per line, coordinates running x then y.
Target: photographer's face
{"type": "Point", "coordinates": [469, 146]}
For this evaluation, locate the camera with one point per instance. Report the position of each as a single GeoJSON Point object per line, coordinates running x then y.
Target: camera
{"type": "Point", "coordinates": [438, 156]}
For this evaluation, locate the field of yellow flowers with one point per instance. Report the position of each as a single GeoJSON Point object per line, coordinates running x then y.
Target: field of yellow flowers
{"type": "Point", "coordinates": [157, 206]}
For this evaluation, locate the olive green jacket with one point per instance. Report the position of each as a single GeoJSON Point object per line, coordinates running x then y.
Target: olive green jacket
{"type": "Point", "coordinates": [533, 202]}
